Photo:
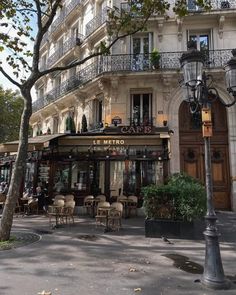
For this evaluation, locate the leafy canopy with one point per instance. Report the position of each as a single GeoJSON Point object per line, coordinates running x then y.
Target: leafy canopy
{"type": "Point", "coordinates": [23, 25]}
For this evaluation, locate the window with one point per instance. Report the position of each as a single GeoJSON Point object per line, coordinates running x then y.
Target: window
{"type": "Point", "coordinates": [97, 113]}
{"type": "Point", "coordinates": [203, 42]}
{"type": "Point", "coordinates": [141, 46]}
{"type": "Point", "coordinates": [55, 125]}
{"type": "Point", "coordinates": [141, 109]}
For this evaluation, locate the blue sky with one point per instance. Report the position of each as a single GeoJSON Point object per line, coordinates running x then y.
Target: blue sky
{"type": "Point", "coordinates": [4, 81]}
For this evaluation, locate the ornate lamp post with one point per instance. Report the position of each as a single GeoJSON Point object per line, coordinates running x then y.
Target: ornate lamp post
{"type": "Point", "coordinates": [200, 96]}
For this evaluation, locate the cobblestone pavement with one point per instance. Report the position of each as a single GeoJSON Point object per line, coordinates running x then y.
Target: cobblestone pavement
{"type": "Point", "coordinates": [81, 259]}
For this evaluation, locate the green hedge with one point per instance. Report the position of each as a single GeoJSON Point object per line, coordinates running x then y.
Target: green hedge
{"type": "Point", "coordinates": [182, 198]}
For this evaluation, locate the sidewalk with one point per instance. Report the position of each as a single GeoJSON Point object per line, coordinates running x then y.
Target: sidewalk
{"type": "Point", "coordinates": [83, 260]}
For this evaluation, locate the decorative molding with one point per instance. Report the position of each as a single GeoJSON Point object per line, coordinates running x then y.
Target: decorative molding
{"type": "Point", "coordinates": [180, 28]}
{"type": "Point", "coordinates": [221, 25]}
{"type": "Point", "coordinates": [160, 25]}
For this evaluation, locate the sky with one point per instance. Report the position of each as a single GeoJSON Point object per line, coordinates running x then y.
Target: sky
{"type": "Point", "coordinates": [8, 69]}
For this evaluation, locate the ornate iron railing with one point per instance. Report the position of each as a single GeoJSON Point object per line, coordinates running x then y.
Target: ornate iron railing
{"type": "Point", "coordinates": [97, 21]}
{"type": "Point", "coordinates": [67, 46]}
{"type": "Point", "coordinates": [72, 5]}
{"type": "Point", "coordinates": [127, 63]}
{"type": "Point", "coordinates": [216, 5]}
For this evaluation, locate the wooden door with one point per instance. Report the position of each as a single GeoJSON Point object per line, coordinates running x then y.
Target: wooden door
{"type": "Point", "coordinates": [192, 151]}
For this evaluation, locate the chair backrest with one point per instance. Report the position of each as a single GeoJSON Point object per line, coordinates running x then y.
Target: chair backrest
{"type": "Point", "coordinates": [134, 199]}
{"type": "Point", "coordinates": [59, 197]}
{"type": "Point", "coordinates": [103, 204]}
{"type": "Point", "coordinates": [121, 198]}
{"type": "Point", "coordinates": [88, 198]}
{"type": "Point", "coordinates": [118, 206]}
{"type": "Point", "coordinates": [59, 203]}
{"type": "Point", "coordinates": [70, 204]}
{"type": "Point", "coordinates": [69, 198]}
{"type": "Point", "coordinates": [100, 198]}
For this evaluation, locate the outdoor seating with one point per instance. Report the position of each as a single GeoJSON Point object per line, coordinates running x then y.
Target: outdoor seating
{"type": "Point", "coordinates": [88, 204]}
{"type": "Point", "coordinates": [69, 198]}
{"type": "Point", "coordinates": [124, 200]}
{"type": "Point", "coordinates": [132, 205]}
{"type": "Point", "coordinates": [56, 210]}
{"type": "Point", "coordinates": [59, 197]}
{"type": "Point", "coordinates": [31, 207]}
{"type": "Point", "coordinates": [102, 214]}
{"type": "Point", "coordinates": [68, 211]}
{"type": "Point", "coordinates": [115, 216]}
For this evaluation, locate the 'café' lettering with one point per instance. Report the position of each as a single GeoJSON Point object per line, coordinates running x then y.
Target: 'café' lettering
{"type": "Point", "coordinates": [136, 129]}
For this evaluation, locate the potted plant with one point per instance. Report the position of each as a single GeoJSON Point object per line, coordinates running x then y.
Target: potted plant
{"type": "Point", "coordinates": [171, 209]}
{"type": "Point", "coordinates": [70, 125]}
{"type": "Point", "coordinates": [155, 59]}
{"type": "Point", "coordinates": [84, 124]}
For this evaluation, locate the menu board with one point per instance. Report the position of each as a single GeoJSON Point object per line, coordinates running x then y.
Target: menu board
{"type": "Point", "coordinates": [44, 172]}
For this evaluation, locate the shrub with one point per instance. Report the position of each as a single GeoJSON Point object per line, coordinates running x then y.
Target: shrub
{"type": "Point", "coordinates": [183, 197]}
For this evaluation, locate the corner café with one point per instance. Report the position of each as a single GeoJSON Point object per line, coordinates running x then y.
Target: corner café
{"type": "Point", "coordinates": [114, 162]}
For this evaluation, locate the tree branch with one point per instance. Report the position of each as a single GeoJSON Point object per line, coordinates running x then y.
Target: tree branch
{"type": "Point", "coordinates": [10, 78]}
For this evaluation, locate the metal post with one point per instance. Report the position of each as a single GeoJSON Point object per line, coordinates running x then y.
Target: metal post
{"type": "Point", "coordinates": [213, 275]}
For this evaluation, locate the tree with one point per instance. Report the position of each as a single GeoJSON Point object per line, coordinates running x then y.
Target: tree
{"type": "Point", "coordinates": [18, 15]}
{"type": "Point", "coordinates": [11, 106]}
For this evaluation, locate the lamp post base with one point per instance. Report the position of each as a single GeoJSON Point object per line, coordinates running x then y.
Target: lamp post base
{"type": "Point", "coordinates": [213, 275]}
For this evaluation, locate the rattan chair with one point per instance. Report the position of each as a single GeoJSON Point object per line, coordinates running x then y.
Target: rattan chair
{"type": "Point", "coordinates": [132, 205]}
{"type": "Point", "coordinates": [101, 216]}
{"type": "Point", "coordinates": [68, 211]}
{"type": "Point", "coordinates": [115, 216]}
{"type": "Point", "coordinates": [88, 204]}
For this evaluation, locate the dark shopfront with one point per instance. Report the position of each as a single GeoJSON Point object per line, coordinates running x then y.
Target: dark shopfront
{"type": "Point", "coordinates": [110, 164]}
{"type": "Point", "coordinates": [104, 164]}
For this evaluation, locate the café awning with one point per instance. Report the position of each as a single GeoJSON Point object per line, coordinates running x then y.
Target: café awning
{"type": "Point", "coordinates": [34, 143]}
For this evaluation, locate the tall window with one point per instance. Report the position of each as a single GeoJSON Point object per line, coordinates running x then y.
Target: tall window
{"type": "Point", "coordinates": [203, 42]}
{"type": "Point", "coordinates": [141, 109]}
{"type": "Point", "coordinates": [97, 113]}
{"type": "Point", "coordinates": [141, 46]}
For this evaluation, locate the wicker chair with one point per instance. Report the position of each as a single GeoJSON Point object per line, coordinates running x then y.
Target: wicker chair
{"type": "Point", "coordinates": [68, 211]}
{"type": "Point", "coordinates": [101, 216]}
{"type": "Point", "coordinates": [56, 210]}
{"type": "Point", "coordinates": [88, 204]}
{"type": "Point", "coordinates": [115, 216]}
{"type": "Point", "coordinates": [132, 205]}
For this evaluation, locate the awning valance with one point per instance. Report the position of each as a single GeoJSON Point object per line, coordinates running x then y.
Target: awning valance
{"type": "Point", "coordinates": [34, 143]}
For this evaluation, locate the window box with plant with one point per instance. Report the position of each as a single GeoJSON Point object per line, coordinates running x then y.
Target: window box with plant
{"type": "Point", "coordinates": [155, 59]}
{"type": "Point", "coordinates": [172, 209]}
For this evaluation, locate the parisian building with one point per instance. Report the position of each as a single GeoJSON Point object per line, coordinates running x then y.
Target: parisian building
{"type": "Point", "coordinates": [119, 121]}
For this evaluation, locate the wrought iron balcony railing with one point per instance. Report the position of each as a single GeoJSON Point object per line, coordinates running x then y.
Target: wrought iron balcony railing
{"type": "Point", "coordinates": [216, 5]}
{"type": "Point", "coordinates": [97, 21]}
{"type": "Point", "coordinates": [72, 5]}
{"type": "Point", "coordinates": [127, 63]}
{"type": "Point", "coordinates": [61, 51]}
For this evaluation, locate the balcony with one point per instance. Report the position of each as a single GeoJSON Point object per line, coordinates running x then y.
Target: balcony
{"type": "Point", "coordinates": [127, 63]}
{"type": "Point", "coordinates": [97, 21]}
{"type": "Point", "coordinates": [66, 47]}
{"type": "Point", "coordinates": [216, 5]}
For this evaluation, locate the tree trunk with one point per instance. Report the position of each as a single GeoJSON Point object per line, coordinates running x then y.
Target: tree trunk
{"type": "Point", "coordinates": [19, 168]}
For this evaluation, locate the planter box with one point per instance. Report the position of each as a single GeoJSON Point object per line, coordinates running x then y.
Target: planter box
{"type": "Point", "coordinates": [156, 228]}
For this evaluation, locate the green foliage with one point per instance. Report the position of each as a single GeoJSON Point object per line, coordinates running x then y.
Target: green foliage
{"type": "Point", "coordinates": [155, 58]}
{"type": "Point", "coordinates": [70, 124]}
{"type": "Point", "coordinates": [11, 106]}
{"type": "Point", "coordinates": [84, 124]}
{"type": "Point", "coordinates": [183, 197]}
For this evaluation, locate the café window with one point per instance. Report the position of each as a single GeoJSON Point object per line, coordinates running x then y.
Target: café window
{"type": "Point", "coordinates": [141, 109]}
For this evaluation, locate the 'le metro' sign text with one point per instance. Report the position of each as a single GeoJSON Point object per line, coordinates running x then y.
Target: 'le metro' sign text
{"type": "Point", "coordinates": [108, 142]}
{"type": "Point", "coordinates": [136, 129]}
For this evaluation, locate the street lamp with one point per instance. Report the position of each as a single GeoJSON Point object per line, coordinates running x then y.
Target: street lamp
{"type": "Point", "coordinates": [200, 95]}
